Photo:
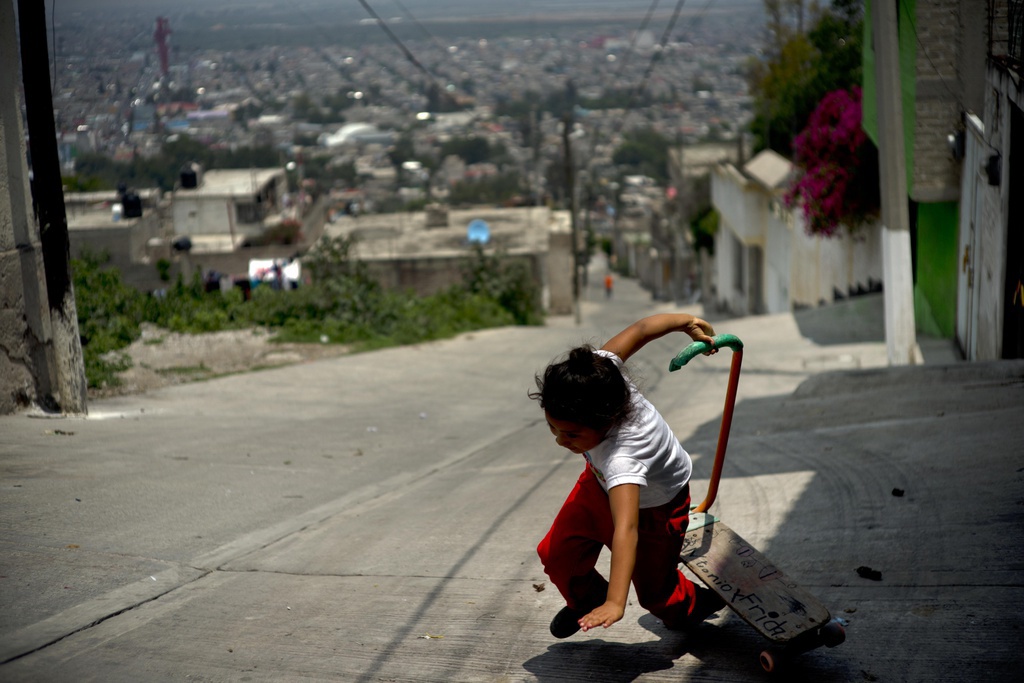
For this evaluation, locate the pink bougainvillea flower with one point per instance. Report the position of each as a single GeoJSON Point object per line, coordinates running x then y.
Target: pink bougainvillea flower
{"type": "Point", "coordinates": [830, 152]}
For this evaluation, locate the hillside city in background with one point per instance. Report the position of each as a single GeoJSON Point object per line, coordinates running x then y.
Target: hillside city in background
{"type": "Point", "coordinates": [323, 81]}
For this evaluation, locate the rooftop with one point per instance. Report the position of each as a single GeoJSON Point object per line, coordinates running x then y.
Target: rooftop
{"type": "Point", "coordinates": [233, 182]}
{"type": "Point", "coordinates": [91, 210]}
{"type": "Point", "coordinates": [770, 169]}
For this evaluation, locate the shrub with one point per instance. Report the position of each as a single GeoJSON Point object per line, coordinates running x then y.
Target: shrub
{"type": "Point", "coordinates": [342, 305]}
{"type": "Point", "coordinates": [109, 313]}
{"type": "Point", "coordinates": [287, 232]}
{"type": "Point", "coordinates": [505, 281]}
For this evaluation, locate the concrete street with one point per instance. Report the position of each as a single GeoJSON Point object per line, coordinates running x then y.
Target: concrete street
{"type": "Point", "coordinates": [374, 517]}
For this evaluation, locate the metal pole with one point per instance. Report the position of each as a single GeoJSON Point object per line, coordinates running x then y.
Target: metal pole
{"type": "Point", "coordinates": [570, 181]}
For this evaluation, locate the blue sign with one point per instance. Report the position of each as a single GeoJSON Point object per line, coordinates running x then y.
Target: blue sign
{"type": "Point", "coordinates": [478, 231]}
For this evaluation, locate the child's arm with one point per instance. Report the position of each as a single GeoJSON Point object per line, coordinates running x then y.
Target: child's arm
{"type": "Point", "coordinates": [625, 504]}
{"type": "Point", "coordinates": [634, 337]}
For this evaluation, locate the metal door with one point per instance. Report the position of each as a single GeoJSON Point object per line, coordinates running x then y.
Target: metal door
{"type": "Point", "coordinates": [970, 212]}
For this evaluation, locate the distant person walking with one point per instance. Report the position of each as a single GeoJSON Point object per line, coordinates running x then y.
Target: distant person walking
{"type": "Point", "coordinates": [608, 284]}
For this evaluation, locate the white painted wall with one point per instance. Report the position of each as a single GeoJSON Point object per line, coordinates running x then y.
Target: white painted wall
{"type": "Point", "coordinates": [206, 215]}
{"type": "Point", "coordinates": [738, 203]}
{"type": "Point", "coordinates": [778, 255]}
{"type": "Point", "coordinates": [821, 265]}
{"type": "Point", "coordinates": [798, 269]}
{"type": "Point", "coordinates": [740, 217]}
{"type": "Point", "coordinates": [727, 251]}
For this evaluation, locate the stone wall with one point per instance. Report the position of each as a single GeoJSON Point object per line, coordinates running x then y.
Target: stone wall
{"type": "Point", "coordinates": [936, 175]}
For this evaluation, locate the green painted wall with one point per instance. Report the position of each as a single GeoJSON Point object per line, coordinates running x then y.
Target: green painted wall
{"type": "Point", "coordinates": [908, 80]}
{"type": "Point", "coordinates": [935, 287]}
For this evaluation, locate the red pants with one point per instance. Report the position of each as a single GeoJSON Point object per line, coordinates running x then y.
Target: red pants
{"type": "Point", "coordinates": [570, 550]}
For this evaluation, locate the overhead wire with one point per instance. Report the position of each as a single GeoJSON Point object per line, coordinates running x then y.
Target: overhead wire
{"type": "Point", "coordinates": [423, 29]}
{"type": "Point", "coordinates": [426, 32]}
{"type": "Point", "coordinates": [326, 55]}
{"type": "Point", "coordinates": [620, 122]}
{"type": "Point", "coordinates": [656, 55]}
{"type": "Point", "coordinates": [393, 37]}
{"type": "Point", "coordinates": [660, 47]}
{"type": "Point", "coordinates": [632, 43]}
{"type": "Point", "coordinates": [635, 93]}
{"type": "Point", "coordinates": [398, 42]}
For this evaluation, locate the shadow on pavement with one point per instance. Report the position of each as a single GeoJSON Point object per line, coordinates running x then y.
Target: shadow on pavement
{"type": "Point", "coordinates": [599, 660]}
{"type": "Point", "coordinates": [724, 649]}
{"type": "Point", "coordinates": [873, 470]}
{"type": "Point", "coordinates": [856, 320]}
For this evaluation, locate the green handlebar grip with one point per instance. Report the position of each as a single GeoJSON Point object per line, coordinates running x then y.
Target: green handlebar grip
{"type": "Point", "coordinates": [697, 348]}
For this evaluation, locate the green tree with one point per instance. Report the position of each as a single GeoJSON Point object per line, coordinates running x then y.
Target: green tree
{"type": "Point", "coordinates": [183, 149]}
{"type": "Point", "coordinates": [783, 95]}
{"type": "Point", "coordinates": [305, 109]}
{"type": "Point", "coordinates": [326, 173]}
{"type": "Point", "coordinates": [79, 183]}
{"type": "Point", "coordinates": [802, 68]}
{"type": "Point", "coordinates": [474, 150]}
{"type": "Point", "coordinates": [521, 108]}
{"type": "Point", "coordinates": [493, 190]}
{"type": "Point", "coordinates": [101, 172]}
{"type": "Point", "coordinates": [339, 102]}
{"type": "Point", "coordinates": [509, 282]}
{"type": "Point", "coordinates": [703, 228]}
{"type": "Point", "coordinates": [404, 149]}
{"type": "Point", "coordinates": [837, 38]}
{"type": "Point", "coordinates": [645, 151]}
{"type": "Point", "coordinates": [260, 156]}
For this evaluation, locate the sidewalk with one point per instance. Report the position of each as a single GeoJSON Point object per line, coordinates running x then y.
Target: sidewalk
{"type": "Point", "coordinates": [374, 517]}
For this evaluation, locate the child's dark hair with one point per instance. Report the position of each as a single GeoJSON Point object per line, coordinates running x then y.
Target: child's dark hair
{"type": "Point", "coordinates": [587, 389]}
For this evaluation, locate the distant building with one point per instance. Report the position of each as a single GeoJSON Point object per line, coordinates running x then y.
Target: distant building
{"type": "Point", "coordinates": [225, 207]}
{"type": "Point", "coordinates": [765, 261]}
{"type": "Point", "coordinates": [356, 134]}
{"type": "Point", "coordinates": [424, 251]}
{"type": "Point", "coordinates": [125, 227]}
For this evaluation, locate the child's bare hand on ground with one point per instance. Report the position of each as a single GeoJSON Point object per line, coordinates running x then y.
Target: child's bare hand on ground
{"type": "Point", "coordinates": [605, 615]}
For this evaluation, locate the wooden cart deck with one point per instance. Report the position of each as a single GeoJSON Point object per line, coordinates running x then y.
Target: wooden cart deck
{"type": "Point", "coordinates": [761, 593]}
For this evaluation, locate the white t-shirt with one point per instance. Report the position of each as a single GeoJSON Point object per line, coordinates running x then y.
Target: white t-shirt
{"type": "Point", "coordinates": [644, 451]}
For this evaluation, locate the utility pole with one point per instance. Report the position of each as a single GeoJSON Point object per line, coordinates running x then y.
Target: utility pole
{"type": "Point", "coordinates": [48, 202]}
{"type": "Point", "coordinates": [570, 183]}
{"type": "Point", "coordinates": [535, 171]}
{"type": "Point", "coordinates": [897, 267]}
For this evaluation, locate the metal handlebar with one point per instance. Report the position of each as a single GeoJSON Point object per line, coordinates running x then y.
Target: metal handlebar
{"type": "Point", "coordinates": [697, 348]}
{"type": "Point", "coordinates": [685, 356]}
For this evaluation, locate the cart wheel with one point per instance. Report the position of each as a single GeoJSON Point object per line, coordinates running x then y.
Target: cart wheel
{"type": "Point", "coordinates": [833, 634]}
{"type": "Point", "coordinates": [768, 662]}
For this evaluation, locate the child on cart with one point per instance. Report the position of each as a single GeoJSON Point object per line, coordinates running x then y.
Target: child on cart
{"type": "Point", "coordinates": [633, 495]}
